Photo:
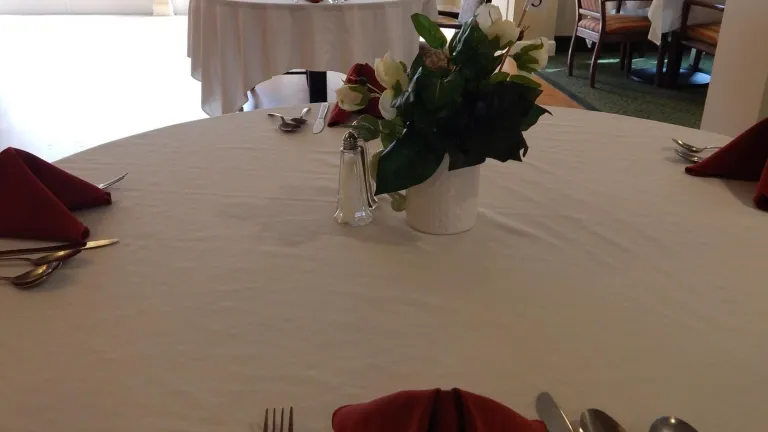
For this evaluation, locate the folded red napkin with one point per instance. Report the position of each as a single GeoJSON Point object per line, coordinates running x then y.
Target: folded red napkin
{"type": "Point", "coordinates": [434, 411]}
{"type": "Point", "coordinates": [360, 70]}
{"type": "Point", "coordinates": [745, 158]}
{"type": "Point", "coordinates": [36, 198]}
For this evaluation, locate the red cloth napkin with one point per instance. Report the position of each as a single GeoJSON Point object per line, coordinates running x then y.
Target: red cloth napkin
{"type": "Point", "coordinates": [745, 158]}
{"type": "Point", "coordinates": [434, 411]}
{"type": "Point", "coordinates": [360, 70]}
{"type": "Point", "coordinates": [36, 198]}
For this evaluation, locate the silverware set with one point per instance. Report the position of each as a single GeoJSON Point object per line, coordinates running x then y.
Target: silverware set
{"type": "Point", "coordinates": [51, 259]}
{"type": "Point", "coordinates": [688, 151]}
{"type": "Point", "coordinates": [112, 182]}
{"type": "Point", "coordinates": [274, 420]}
{"type": "Point", "coordinates": [595, 420]}
{"type": "Point", "coordinates": [293, 124]}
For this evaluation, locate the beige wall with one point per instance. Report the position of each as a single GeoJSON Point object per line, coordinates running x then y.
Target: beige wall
{"type": "Point", "coordinates": [542, 19]}
{"type": "Point", "coordinates": [566, 18]}
{"type": "Point", "coordinates": [738, 95]}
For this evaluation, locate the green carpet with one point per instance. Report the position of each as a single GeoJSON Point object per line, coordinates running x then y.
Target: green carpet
{"type": "Point", "coordinates": [614, 93]}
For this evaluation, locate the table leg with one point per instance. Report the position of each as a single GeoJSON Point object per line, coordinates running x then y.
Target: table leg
{"type": "Point", "coordinates": [662, 77]}
{"type": "Point", "coordinates": [318, 86]}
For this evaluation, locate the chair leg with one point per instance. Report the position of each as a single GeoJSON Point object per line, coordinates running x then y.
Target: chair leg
{"type": "Point", "coordinates": [663, 48]}
{"type": "Point", "coordinates": [628, 67]}
{"type": "Point", "coordinates": [593, 66]}
{"type": "Point", "coordinates": [697, 59]}
{"type": "Point", "coordinates": [643, 51]}
{"type": "Point", "coordinates": [570, 54]}
{"type": "Point", "coordinates": [623, 56]}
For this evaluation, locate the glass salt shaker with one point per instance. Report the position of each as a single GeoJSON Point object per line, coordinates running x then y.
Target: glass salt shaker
{"type": "Point", "coordinates": [370, 186]}
{"type": "Point", "coordinates": [352, 202]}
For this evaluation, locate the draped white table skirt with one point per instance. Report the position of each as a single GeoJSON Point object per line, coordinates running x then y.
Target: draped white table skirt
{"type": "Point", "coordinates": [236, 44]}
{"type": "Point", "coordinates": [666, 16]}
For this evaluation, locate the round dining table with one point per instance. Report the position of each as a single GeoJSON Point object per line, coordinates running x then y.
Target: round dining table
{"type": "Point", "coordinates": [598, 271]}
{"type": "Point", "coordinates": [236, 44]}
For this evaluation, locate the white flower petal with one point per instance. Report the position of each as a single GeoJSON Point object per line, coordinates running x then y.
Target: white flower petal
{"type": "Point", "coordinates": [385, 105]}
{"type": "Point", "coordinates": [542, 55]}
{"type": "Point", "coordinates": [349, 99]}
{"type": "Point", "coordinates": [389, 71]}
{"type": "Point", "coordinates": [487, 14]}
{"type": "Point", "coordinates": [506, 31]}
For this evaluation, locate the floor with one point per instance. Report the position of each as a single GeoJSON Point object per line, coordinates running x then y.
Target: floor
{"type": "Point", "coordinates": [69, 83]}
{"type": "Point", "coordinates": [615, 93]}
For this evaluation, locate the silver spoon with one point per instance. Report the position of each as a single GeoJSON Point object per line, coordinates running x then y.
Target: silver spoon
{"type": "Point", "coordinates": [112, 182]}
{"type": "Point", "coordinates": [47, 259]}
{"type": "Point", "coordinates": [33, 277]}
{"type": "Point", "coordinates": [688, 156]}
{"type": "Point", "coordinates": [692, 148]}
{"type": "Point", "coordinates": [595, 420]}
{"type": "Point", "coordinates": [285, 125]}
{"type": "Point", "coordinates": [671, 424]}
{"type": "Point", "coordinates": [300, 120]}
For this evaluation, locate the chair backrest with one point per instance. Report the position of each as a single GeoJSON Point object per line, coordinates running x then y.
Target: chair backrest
{"type": "Point", "coordinates": [590, 5]}
{"type": "Point", "coordinates": [469, 8]}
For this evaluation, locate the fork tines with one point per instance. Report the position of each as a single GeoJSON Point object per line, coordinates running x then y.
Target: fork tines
{"type": "Point", "coordinates": [274, 420]}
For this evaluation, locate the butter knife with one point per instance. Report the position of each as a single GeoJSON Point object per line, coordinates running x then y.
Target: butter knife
{"type": "Point", "coordinates": [320, 122]}
{"type": "Point", "coordinates": [62, 247]}
{"type": "Point", "coordinates": [551, 414]}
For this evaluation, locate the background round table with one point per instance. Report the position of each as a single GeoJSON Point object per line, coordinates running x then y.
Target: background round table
{"type": "Point", "coordinates": [236, 44]}
{"type": "Point", "coordinates": [597, 271]}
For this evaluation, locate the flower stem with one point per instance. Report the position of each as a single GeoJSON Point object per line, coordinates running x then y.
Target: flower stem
{"type": "Point", "coordinates": [375, 90]}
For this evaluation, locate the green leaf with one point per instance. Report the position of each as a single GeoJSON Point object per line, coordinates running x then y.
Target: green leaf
{"type": "Point", "coordinates": [366, 127]}
{"type": "Point", "coordinates": [427, 29]}
{"type": "Point", "coordinates": [532, 47]}
{"type": "Point", "coordinates": [437, 93]}
{"type": "Point", "coordinates": [524, 80]}
{"type": "Point", "coordinates": [532, 118]}
{"type": "Point", "coordinates": [499, 77]}
{"type": "Point", "coordinates": [407, 162]}
{"type": "Point", "coordinates": [524, 58]}
{"type": "Point", "coordinates": [390, 131]}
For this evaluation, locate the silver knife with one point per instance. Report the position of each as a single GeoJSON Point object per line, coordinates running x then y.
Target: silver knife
{"type": "Point", "coordinates": [320, 122]}
{"type": "Point", "coordinates": [62, 247]}
{"type": "Point", "coordinates": [551, 414]}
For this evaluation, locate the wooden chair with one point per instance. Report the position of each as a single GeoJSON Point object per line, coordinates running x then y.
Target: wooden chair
{"type": "Point", "coordinates": [594, 24]}
{"type": "Point", "coordinates": [703, 38]}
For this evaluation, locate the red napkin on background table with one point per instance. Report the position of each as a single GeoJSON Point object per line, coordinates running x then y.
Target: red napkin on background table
{"type": "Point", "coordinates": [36, 198]}
{"type": "Point", "coordinates": [434, 411]}
{"type": "Point", "coordinates": [745, 158]}
{"type": "Point", "coordinates": [360, 70]}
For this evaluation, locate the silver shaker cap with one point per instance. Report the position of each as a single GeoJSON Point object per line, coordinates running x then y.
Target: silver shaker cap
{"type": "Point", "coordinates": [349, 142]}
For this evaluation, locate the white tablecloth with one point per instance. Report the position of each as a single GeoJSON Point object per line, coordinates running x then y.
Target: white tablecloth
{"type": "Point", "coordinates": [598, 270]}
{"type": "Point", "coordinates": [666, 16]}
{"type": "Point", "coordinates": [236, 44]}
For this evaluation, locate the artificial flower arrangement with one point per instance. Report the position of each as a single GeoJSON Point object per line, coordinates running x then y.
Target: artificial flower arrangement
{"type": "Point", "coordinates": [453, 101]}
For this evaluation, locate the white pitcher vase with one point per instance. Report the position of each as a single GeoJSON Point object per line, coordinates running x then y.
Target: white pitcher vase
{"type": "Point", "coordinates": [446, 203]}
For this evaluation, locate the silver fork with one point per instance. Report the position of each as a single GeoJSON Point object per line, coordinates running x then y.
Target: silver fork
{"type": "Point", "coordinates": [274, 420]}
{"type": "Point", "coordinates": [112, 182]}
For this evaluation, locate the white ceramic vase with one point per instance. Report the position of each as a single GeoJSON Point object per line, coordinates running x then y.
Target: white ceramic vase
{"type": "Point", "coordinates": [446, 203]}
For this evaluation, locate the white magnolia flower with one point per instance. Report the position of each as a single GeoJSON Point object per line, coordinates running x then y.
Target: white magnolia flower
{"type": "Point", "coordinates": [390, 71]}
{"type": "Point", "coordinates": [351, 98]}
{"type": "Point", "coordinates": [505, 30]}
{"type": "Point", "coordinates": [488, 14]}
{"type": "Point", "coordinates": [385, 105]}
{"type": "Point", "coordinates": [541, 55]}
